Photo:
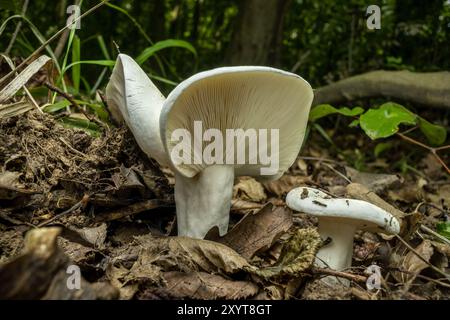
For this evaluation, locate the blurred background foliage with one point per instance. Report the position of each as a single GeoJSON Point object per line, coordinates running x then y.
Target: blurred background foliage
{"type": "Point", "coordinates": [323, 41]}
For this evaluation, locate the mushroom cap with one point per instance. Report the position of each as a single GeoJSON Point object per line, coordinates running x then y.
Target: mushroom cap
{"type": "Point", "coordinates": [363, 214]}
{"type": "Point", "coordinates": [134, 99]}
{"type": "Point", "coordinates": [244, 97]}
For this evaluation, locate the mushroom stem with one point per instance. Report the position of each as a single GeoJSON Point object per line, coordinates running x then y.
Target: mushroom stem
{"type": "Point", "coordinates": [336, 255]}
{"type": "Point", "coordinates": [204, 201]}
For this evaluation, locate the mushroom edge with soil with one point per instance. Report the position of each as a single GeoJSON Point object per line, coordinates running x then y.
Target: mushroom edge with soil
{"type": "Point", "coordinates": [338, 219]}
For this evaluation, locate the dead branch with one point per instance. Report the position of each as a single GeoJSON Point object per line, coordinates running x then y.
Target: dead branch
{"type": "Point", "coordinates": [430, 89]}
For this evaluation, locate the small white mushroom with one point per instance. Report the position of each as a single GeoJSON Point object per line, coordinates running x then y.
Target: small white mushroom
{"type": "Point", "coordinates": [231, 98]}
{"type": "Point", "coordinates": [338, 220]}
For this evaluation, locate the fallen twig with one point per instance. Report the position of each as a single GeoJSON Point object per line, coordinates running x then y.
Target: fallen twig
{"type": "Point", "coordinates": [132, 209]}
{"type": "Point", "coordinates": [72, 101]}
{"type": "Point", "coordinates": [340, 274]}
{"type": "Point", "coordinates": [81, 204]}
{"type": "Point", "coordinates": [431, 149]}
{"type": "Point", "coordinates": [435, 234]}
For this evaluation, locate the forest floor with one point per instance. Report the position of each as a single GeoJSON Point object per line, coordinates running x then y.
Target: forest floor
{"type": "Point", "coordinates": [67, 198]}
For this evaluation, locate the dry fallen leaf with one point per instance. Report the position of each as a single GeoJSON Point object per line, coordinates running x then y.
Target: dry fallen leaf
{"type": "Point", "coordinates": [374, 181]}
{"type": "Point", "coordinates": [285, 184]}
{"type": "Point", "coordinates": [442, 248]}
{"type": "Point", "coordinates": [412, 264]}
{"type": "Point", "coordinates": [442, 198]}
{"type": "Point", "coordinates": [256, 232]}
{"type": "Point", "coordinates": [40, 272]}
{"type": "Point", "coordinates": [187, 254]}
{"type": "Point", "coordinates": [244, 206]}
{"type": "Point", "coordinates": [248, 189]}
{"type": "Point", "coordinates": [201, 285]}
{"type": "Point", "coordinates": [116, 275]}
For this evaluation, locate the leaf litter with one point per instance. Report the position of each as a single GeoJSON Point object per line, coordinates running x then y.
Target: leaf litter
{"type": "Point", "coordinates": [100, 204]}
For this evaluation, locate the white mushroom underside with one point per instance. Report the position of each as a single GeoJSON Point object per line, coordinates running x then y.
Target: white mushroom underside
{"type": "Point", "coordinates": [241, 98]}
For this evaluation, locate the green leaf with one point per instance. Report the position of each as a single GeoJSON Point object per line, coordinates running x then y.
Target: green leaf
{"type": "Point", "coordinates": [102, 45]}
{"type": "Point", "coordinates": [384, 121]}
{"type": "Point", "coordinates": [56, 106]}
{"type": "Point", "coordinates": [89, 127]}
{"type": "Point", "coordinates": [163, 80]}
{"type": "Point", "coordinates": [36, 33]}
{"type": "Point", "coordinates": [96, 108]}
{"type": "Point", "coordinates": [435, 134]}
{"type": "Point", "coordinates": [381, 147]}
{"type": "Point", "coordinates": [76, 57]}
{"type": "Point", "coordinates": [170, 43]}
{"type": "Point", "coordinates": [141, 30]}
{"type": "Point", "coordinates": [443, 229]}
{"type": "Point", "coordinates": [323, 133]}
{"type": "Point", "coordinates": [354, 123]}
{"type": "Point", "coordinates": [105, 63]}
{"type": "Point", "coordinates": [324, 110]}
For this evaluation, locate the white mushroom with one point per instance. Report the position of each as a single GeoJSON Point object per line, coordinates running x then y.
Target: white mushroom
{"type": "Point", "coordinates": [224, 98]}
{"type": "Point", "coordinates": [133, 98]}
{"type": "Point", "coordinates": [231, 98]}
{"type": "Point", "coordinates": [338, 220]}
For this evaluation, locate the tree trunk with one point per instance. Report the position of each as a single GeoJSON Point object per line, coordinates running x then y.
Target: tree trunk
{"type": "Point", "coordinates": [257, 36]}
{"type": "Point", "coordinates": [430, 89]}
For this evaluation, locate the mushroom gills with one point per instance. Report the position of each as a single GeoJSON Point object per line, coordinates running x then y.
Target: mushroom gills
{"type": "Point", "coordinates": [204, 201]}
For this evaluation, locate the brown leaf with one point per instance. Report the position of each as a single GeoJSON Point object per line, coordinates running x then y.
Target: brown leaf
{"type": "Point", "coordinates": [40, 272]}
{"type": "Point", "coordinates": [442, 198]}
{"type": "Point", "coordinates": [285, 184]}
{"type": "Point", "coordinates": [89, 236]}
{"type": "Point", "coordinates": [442, 248]}
{"type": "Point", "coordinates": [249, 189]}
{"type": "Point", "coordinates": [374, 181]}
{"type": "Point", "coordinates": [244, 206]}
{"type": "Point", "coordinates": [187, 254]}
{"type": "Point", "coordinates": [412, 264]}
{"type": "Point", "coordinates": [201, 285]}
{"type": "Point", "coordinates": [257, 232]}
{"type": "Point", "coordinates": [96, 291]}
{"type": "Point", "coordinates": [116, 275]}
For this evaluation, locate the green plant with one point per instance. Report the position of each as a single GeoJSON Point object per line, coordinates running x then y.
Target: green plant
{"type": "Point", "coordinates": [443, 229]}
{"type": "Point", "coordinates": [384, 122]}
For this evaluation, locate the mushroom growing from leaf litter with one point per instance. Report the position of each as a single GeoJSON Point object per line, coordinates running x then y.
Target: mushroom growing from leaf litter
{"type": "Point", "coordinates": [231, 98]}
{"type": "Point", "coordinates": [222, 99]}
{"type": "Point", "coordinates": [338, 220]}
